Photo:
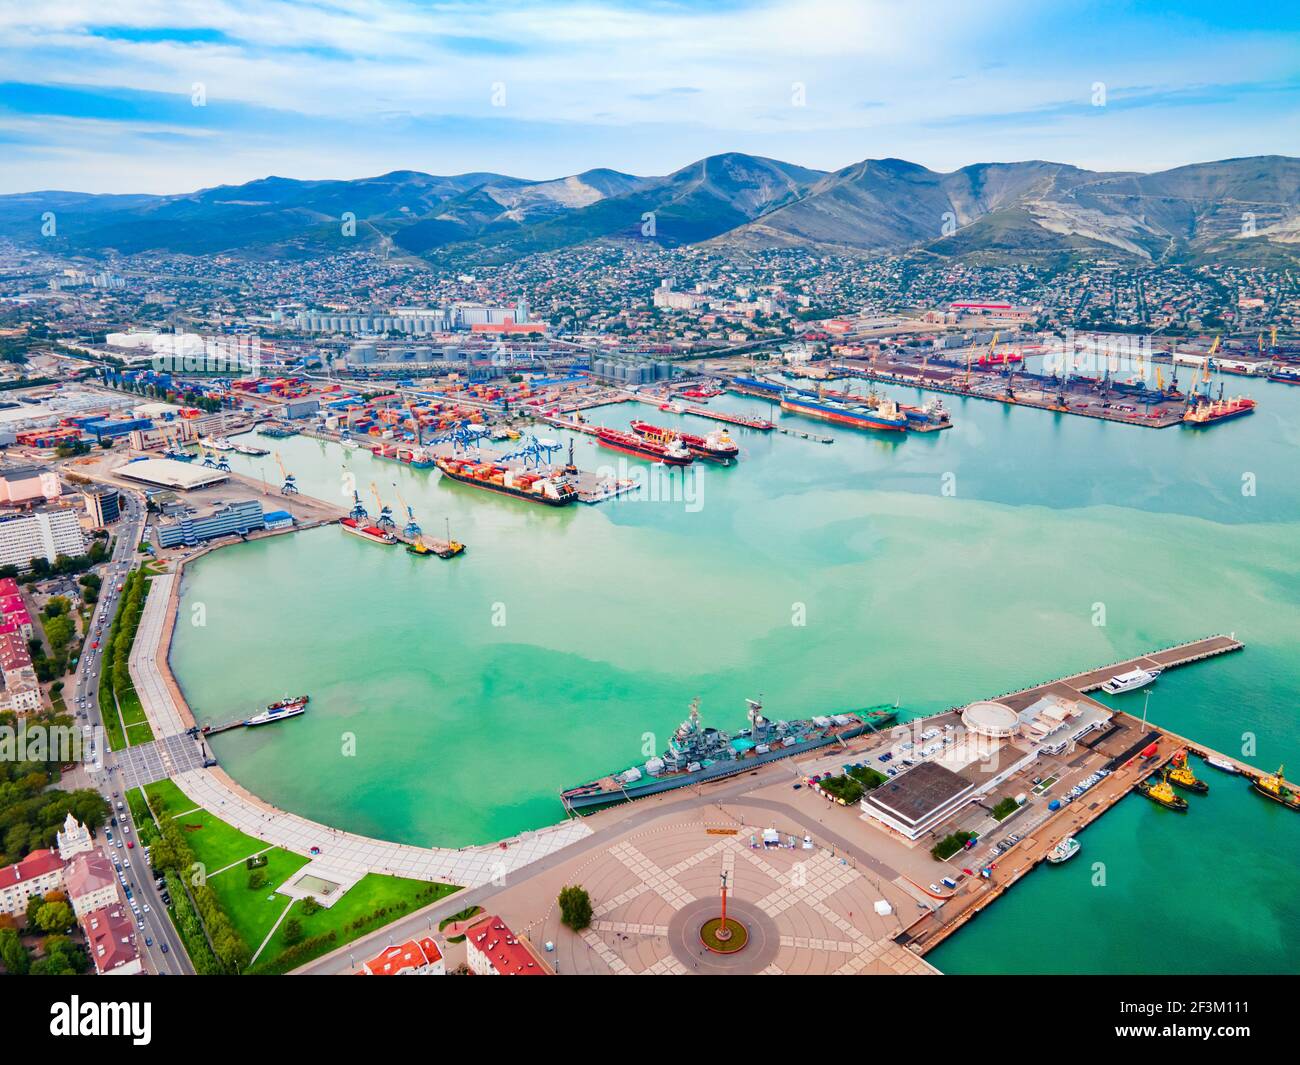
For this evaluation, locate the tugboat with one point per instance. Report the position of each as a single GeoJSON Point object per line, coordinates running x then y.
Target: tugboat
{"type": "Point", "coordinates": [1274, 787]}
{"type": "Point", "coordinates": [1183, 776]}
{"type": "Point", "coordinates": [1063, 851]}
{"type": "Point", "coordinates": [1163, 794]}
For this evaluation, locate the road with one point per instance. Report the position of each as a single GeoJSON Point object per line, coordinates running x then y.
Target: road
{"type": "Point", "coordinates": [154, 929]}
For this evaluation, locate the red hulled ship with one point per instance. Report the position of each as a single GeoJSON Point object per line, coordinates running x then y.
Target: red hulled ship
{"type": "Point", "coordinates": [671, 453]}
{"type": "Point", "coordinates": [368, 531]}
{"type": "Point", "coordinates": [717, 446]}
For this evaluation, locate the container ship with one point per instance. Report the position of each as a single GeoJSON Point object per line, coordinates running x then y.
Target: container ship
{"type": "Point", "coordinates": [717, 446]}
{"type": "Point", "coordinates": [670, 453]}
{"type": "Point", "coordinates": [697, 754]}
{"type": "Point", "coordinates": [1218, 410]}
{"type": "Point", "coordinates": [554, 491]}
{"type": "Point", "coordinates": [886, 416]}
{"type": "Point", "coordinates": [368, 531]}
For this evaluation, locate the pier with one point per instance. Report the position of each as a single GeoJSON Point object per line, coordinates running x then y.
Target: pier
{"type": "Point", "coordinates": [1118, 751]}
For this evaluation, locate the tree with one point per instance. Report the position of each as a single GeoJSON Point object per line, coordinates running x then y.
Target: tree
{"type": "Point", "coordinates": [575, 907]}
{"type": "Point", "coordinates": [256, 880]}
{"type": "Point", "coordinates": [13, 955]}
{"type": "Point", "coordinates": [54, 917]}
{"type": "Point", "coordinates": [293, 931]}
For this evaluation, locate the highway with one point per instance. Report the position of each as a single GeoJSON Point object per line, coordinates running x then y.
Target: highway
{"type": "Point", "coordinates": [161, 949]}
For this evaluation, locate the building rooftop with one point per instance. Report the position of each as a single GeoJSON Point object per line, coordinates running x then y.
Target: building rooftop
{"type": "Point", "coordinates": [38, 863]}
{"type": "Point", "coordinates": [110, 938]}
{"type": "Point", "coordinates": [87, 873]}
{"type": "Point", "coordinates": [503, 949]}
{"type": "Point", "coordinates": [412, 954]}
{"type": "Point", "coordinates": [168, 473]}
{"type": "Point", "coordinates": [915, 795]}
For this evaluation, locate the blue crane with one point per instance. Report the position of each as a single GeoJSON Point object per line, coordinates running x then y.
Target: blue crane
{"type": "Point", "coordinates": [358, 512]}
{"type": "Point", "coordinates": [534, 452]}
{"type": "Point", "coordinates": [411, 530]}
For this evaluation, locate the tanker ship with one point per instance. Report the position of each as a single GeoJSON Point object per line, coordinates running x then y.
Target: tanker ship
{"type": "Point", "coordinates": [697, 754]}
{"type": "Point", "coordinates": [553, 490]}
{"type": "Point", "coordinates": [886, 416]}
{"type": "Point", "coordinates": [717, 446]}
{"type": "Point", "coordinates": [670, 453]}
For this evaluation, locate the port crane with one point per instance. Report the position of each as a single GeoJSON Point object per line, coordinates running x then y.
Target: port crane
{"type": "Point", "coordinates": [411, 530]}
{"type": "Point", "coordinates": [358, 511]}
{"type": "Point", "coordinates": [385, 519]}
{"type": "Point", "coordinates": [218, 463]}
{"type": "Point", "coordinates": [535, 452]}
{"type": "Point", "coordinates": [465, 435]}
{"type": "Point", "coordinates": [290, 485]}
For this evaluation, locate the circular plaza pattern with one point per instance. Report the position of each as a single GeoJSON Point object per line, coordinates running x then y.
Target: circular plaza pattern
{"type": "Point", "coordinates": [991, 719]}
{"type": "Point", "coordinates": [755, 932]}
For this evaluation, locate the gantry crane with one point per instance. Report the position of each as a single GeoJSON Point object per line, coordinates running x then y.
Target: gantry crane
{"type": "Point", "coordinates": [358, 512]}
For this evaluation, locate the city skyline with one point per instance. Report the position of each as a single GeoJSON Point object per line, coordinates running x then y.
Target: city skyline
{"type": "Point", "coordinates": [167, 101]}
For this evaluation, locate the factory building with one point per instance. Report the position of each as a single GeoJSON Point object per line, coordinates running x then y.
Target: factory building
{"type": "Point", "coordinates": [238, 518]}
{"type": "Point", "coordinates": [630, 372]}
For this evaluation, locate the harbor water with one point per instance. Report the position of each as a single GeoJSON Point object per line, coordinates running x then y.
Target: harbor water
{"type": "Point", "coordinates": [452, 700]}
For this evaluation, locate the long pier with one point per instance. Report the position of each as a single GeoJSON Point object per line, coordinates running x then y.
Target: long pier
{"type": "Point", "coordinates": [1126, 770]}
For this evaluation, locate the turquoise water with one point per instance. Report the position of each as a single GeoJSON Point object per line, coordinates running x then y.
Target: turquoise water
{"type": "Point", "coordinates": [453, 700]}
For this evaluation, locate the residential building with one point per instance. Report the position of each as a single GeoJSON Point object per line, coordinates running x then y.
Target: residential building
{"type": "Point", "coordinates": [38, 874]}
{"type": "Point", "coordinates": [91, 882]}
{"type": "Point", "coordinates": [491, 949]}
{"type": "Point", "coordinates": [41, 534]}
{"type": "Point", "coordinates": [415, 957]}
{"type": "Point", "coordinates": [110, 938]}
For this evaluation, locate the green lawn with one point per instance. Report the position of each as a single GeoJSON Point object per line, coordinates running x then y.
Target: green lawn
{"type": "Point", "coordinates": [215, 843]}
{"type": "Point", "coordinates": [254, 912]}
{"type": "Point", "coordinates": [396, 896]}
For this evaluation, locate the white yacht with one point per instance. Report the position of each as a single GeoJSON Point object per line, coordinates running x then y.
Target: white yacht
{"type": "Point", "coordinates": [1130, 681]}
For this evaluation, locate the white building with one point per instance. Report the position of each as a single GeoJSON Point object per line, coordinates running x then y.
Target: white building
{"type": "Point", "coordinates": [91, 883]}
{"type": "Point", "coordinates": [74, 839]}
{"type": "Point", "coordinates": [41, 534]}
{"type": "Point", "coordinates": [415, 957]}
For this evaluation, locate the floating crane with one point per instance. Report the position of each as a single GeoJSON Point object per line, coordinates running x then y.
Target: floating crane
{"type": "Point", "coordinates": [290, 485]}
{"type": "Point", "coordinates": [385, 519]}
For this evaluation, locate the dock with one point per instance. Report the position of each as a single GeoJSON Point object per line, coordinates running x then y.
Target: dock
{"type": "Point", "coordinates": [1121, 748]}
{"type": "Point", "coordinates": [671, 406]}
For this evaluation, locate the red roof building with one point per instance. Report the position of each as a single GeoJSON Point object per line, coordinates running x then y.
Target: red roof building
{"type": "Point", "coordinates": [491, 949]}
{"type": "Point", "coordinates": [38, 874]}
{"type": "Point", "coordinates": [415, 957]}
{"type": "Point", "coordinates": [110, 938]}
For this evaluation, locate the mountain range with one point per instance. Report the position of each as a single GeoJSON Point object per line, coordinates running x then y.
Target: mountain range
{"type": "Point", "coordinates": [1244, 209]}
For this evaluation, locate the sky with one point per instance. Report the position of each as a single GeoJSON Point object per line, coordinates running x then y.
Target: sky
{"type": "Point", "coordinates": [167, 96]}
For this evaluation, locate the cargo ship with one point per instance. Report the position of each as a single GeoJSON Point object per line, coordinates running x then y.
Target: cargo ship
{"type": "Point", "coordinates": [1274, 787]}
{"type": "Point", "coordinates": [716, 446]}
{"type": "Point", "coordinates": [670, 453]}
{"type": "Point", "coordinates": [368, 531]}
{"type": "Point", "coordinates": [1287, 375]}
{"type": "Point", "coordinates": [698, 754]}
{"type": "Point", "coordinates": [553, 490]}
{"type": "Point", "coordinates": [415, 457]}
{"type": "Point", "coordinates": [886, 416]}
{"type": "Point", "coordinates": [1218, 410]}
{"type": "Point", "coordinates": [930, 414]}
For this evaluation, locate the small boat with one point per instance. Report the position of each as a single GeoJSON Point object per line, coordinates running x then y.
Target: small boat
{"type": "Point", "coordinates": [1130, 681]}
{"type": "Point", "coordinates": [1163, 794]}
{"type": "Point", "coordinates": [1221, 763]}
{"type": "Point", "coordinates": [1063, 851]}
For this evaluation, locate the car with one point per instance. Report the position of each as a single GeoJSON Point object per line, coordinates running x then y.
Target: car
{"type": "Point", "coordinates": [146, 907]}
{"type": "Point", "coordinates": [148, 941]}
{"type": "Point", "coordinates": [130, 845]}
{"type": "Point", "coordinates": [164, 950]}
{"type": "Point", "coordinates": [126, 862]}
{"type": "Point", "coordinates": [140, 925]}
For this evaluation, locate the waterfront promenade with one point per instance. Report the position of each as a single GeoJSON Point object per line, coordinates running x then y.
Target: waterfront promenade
{"type": "Point", "coordinates": [341, 853]}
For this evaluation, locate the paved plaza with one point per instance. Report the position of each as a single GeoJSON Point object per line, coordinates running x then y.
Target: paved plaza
{"type": "Point", "coordinates": [806, 910]}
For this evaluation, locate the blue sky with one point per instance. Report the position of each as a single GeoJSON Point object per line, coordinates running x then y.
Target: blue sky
{"type": "Point", "coordinates": [98, 97]}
